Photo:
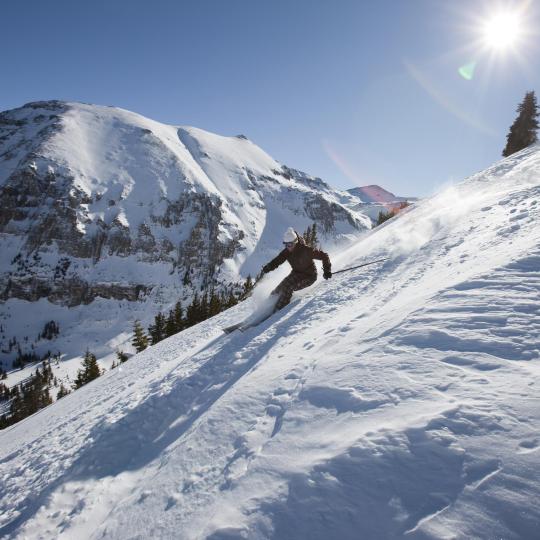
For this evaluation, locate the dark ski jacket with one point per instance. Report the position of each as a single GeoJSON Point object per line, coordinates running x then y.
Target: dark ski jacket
{"type": "Point", "coordinates": [301, 259]}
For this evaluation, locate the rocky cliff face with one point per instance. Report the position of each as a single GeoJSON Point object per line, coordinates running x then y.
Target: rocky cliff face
{"type": "Point", "coordinates": [52, 211]}
{"type": "Point", "coordinates": [98, 202]}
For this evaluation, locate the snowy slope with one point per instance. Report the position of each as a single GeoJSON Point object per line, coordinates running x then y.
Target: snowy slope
{"type": "Point", "coordinates": [396, 401]}
{"type": "Point", "coordinates": [105, 212]}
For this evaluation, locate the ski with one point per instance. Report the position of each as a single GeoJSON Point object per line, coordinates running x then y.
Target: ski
{"type": "Point", "coordinates": [232, 328]}
{"type": "Point", "coordinates": [243, 327]}
{"type": "Point", "coordinates": [247, 323]}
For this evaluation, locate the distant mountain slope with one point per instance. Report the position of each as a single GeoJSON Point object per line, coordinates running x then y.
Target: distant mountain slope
{"type": "Point", "coordinates": [396, 401]}
{"type": "Point", "coordinates": [375, 199]}
{"type": "Point", "coordinates": [373, 193]}
{"type": "Point", "coordinates": [104, 208]}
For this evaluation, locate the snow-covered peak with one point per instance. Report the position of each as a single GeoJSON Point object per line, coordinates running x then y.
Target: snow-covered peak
{"type": "Point", "coordinates": [117, 155]}
{"type": "Point", "coordinates": [105, 212]}
{"type": "Point", "coordinates": [376, 194]}
{"type": "Point", "coordinates": [372, 200]}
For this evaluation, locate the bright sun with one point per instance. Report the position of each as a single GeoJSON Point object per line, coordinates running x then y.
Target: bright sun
{"type": "Point", "coordinates": [502, 31]}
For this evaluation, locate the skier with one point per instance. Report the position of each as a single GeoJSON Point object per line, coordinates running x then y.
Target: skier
{"type": "Point", "coordinates": [304, 272]}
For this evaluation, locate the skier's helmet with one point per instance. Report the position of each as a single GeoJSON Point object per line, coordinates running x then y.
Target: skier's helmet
{"type": "Point", "coordinates": [290, 236]}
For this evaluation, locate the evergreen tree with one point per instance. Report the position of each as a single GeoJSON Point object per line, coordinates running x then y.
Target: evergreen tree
{"type": "Point", "coordinates": [63, 391]}
{"type": "Point", "coordinates": [170, 325]}
{"type": "Point", "coordinates": [193, 311]}
{"type": "Point", "coordinates": [310, 236]}
{"type": "Point", "coordinates": [4, 392]}
{"type": "Point", "coordinates": [214, 304]}
{"type": "Point", "coordinates": [32, 396]}
{"type": "Point", "coordinates": [384, 216]}
{"type": "Point", "coordinates": [307, 236]}
{"type": "Point", "coordinates": [157, 330]}
{"type": "Point", "coordinates": [314, 240]}
{"type": "Point", "coordinates": [47, 374]}
{"type": "Point", "coordinates": [248, 287]}
{"type": "Point", "coordinates": [50, 330]}
{"type": "Point", "coordinates": [523, 131]}
{"type": "Point", "coordinates": [203, 309]}
{"type": "Point", "coordinates": [231, 299]}
{"type": "Point", "coordinates": [187, 279]}
{"type": "Point", "coordinates": [89, 371]}
{"type": "Point", "coordinates": [140, 340]}
{"type": "Point", "coordinates": [178, 317]}
{"type": "Point", "coordinates": [121, 356]}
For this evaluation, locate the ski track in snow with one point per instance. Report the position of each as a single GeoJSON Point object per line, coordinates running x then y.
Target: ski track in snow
{"type": "Point", "coordinates": [396, 401]}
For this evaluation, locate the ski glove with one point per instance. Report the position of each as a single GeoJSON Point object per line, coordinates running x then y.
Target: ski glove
{"type": "Point", "coordinates": [327, 274]}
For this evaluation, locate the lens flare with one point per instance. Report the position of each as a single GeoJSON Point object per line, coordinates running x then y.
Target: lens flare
{"type": "Point", "coordinates": [467, 71]}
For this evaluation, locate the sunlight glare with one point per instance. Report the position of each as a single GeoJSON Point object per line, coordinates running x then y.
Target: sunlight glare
{"type": "Point", "coordinates": [502, 30]}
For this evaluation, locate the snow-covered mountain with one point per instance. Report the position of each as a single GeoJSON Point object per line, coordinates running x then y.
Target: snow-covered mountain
{"type": "Point", "coordinates": [106, 215]}
{"type": "Point", "coordinates": [399, 400]}
{"type": "Point", "coordinates": [377, 194]}
{"type": "Point", "coordinates": [375, 199]}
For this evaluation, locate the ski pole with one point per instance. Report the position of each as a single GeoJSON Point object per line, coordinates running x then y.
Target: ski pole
{"type": "Point", "coordinates": [359, 266]}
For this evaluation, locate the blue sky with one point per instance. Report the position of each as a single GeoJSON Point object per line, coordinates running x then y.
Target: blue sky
{"type": "Point", "coordinates": [352, 91]}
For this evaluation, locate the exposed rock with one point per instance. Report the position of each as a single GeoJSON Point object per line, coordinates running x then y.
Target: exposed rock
{"type": "Point", "coordinates": [98, 202]}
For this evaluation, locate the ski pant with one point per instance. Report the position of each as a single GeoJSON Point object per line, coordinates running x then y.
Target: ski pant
{"type": "Point", "coordinates": [293, 282]}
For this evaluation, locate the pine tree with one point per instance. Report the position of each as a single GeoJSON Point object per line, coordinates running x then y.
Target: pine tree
{"type": "Point", "coordinates": [47, 374]}
{"type": "Point", "coordinates": [193, 311]}
{"type": "Point", "coordinates": [523, 131]}
{"type": "Point", "coordinates": [140, 340]}
{"type": "Point", "coordinates": [214, 304]}
{"type": "Point", "coordinates": [4, 392]}
{"type": "Point", "coordinates": [187, 279]}
{"type": "Point", "coordinates": [203, 309]}
{"type": "Point", "coordinates": [157, 330]}
{"type": "Point", "coordinates": [89, 371]}
{"type": "Point", "coordinates": [32, 396]}
{"type": "Point", "coordinates": [179, 317]}
{"type": "Point", "coordinates": [307, 236]}
{"type": "Point", "coordinates": [231, 300]}
{"type": "Point", "coordinates": [170, 325]}
{"type": "Point", "coordinates": [248, 287]}
{"type": "Point", "coordinates": [314, 236]}
{"type": "Point", "coordinates": [310, 236]}
{"type": "Point", "coordinates": [121, 356]}
{"type": "Point", "coordinates": [50, 330]}
{"type": "Point", "coordinates": [384, 216]}
{"type": "Point", "coordinates": [63, 391]}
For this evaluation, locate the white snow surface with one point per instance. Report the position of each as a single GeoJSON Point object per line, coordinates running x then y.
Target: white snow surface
{"type": "Point", "coordinates": [399, 400]}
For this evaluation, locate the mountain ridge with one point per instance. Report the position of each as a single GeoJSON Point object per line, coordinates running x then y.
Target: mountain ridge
{"type": "Point", "coordinates": [375, 193]}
